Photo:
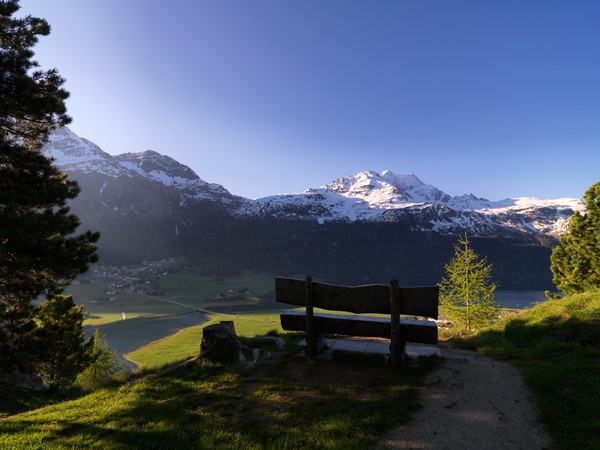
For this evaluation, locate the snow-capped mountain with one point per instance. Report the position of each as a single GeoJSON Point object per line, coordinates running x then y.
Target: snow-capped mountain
{"type": "Point", "coordinates": [75, 154]}
{"type": "Point", "coordinates": [385, 196]}
{"type": "Point", "coordinates": [72, 153]}
{"type": "Point", "coordinates": [145, 205]}
{"type": "Point", "coordinates": [366, 196]}
{"type": "Point", "coordinates": [149, 206]}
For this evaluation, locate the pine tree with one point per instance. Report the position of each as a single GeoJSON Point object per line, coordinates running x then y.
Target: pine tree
{"type": "Point", "coordinates": [575, 263]}
{"type": "Point", "coordinates": [467, 290]}
{"type": "Point", "coordinates": [39, 250]}
{"type": "Point", "coordinates": [31, 100]}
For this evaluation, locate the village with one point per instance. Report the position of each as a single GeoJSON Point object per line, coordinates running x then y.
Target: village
{"type": "Point", "coordinates": [140, 279]}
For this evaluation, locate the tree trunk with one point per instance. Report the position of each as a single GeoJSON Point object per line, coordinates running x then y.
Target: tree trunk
{"type": "Point", "coordinates": [221, 344]}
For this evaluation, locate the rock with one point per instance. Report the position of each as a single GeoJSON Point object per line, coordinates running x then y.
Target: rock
{"type": "Point", "coordinates": [22, 382]}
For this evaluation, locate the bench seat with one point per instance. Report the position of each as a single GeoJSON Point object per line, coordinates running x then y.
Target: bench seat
{"type": "Point", "coordinates": [413, 330]}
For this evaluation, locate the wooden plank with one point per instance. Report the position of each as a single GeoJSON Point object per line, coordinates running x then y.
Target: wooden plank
{"type": "Point", "coordinates": [422, 331]}
{"type": "Point", "coordinates": [419, 301]}
{"type": "Point", "coordinates": [374, 298]}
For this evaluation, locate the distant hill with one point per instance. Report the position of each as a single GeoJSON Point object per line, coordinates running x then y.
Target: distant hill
{"type": "Point", "coordinates": [367, 225]}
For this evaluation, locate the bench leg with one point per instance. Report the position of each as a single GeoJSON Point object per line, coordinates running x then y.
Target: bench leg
{"type": "Point", "coordinates": [397, 353]}
{"type": "Point", "coordinates": [315, 346]}
{"type": "Point", "coordinates": [398, 345]}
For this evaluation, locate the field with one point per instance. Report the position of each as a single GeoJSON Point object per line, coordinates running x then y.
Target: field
{"type": "Point", "coordinates": [203, 291]}
{"type": "Point", "coordinates": [288, 401]}
{"type": "Point", "coordinates": [179, 290]}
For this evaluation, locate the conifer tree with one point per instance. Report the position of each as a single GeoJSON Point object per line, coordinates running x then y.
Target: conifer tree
{"type": "Point", "coordinates": [467, 290]}
{"type": "Point", "coordinates": [575, 263]}
{"type": "Point", "coordinates": [39, 250]}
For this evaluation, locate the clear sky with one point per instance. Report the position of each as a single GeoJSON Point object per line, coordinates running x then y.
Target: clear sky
{"type": "Point", "coordinates": [494, 98]}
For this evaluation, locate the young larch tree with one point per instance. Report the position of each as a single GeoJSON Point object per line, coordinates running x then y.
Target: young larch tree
{"type": "Point", "coordinates": [467, 290]}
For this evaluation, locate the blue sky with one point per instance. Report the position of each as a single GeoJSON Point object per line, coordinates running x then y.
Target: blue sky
{"type": "Point", "coordinates": [498, 99]}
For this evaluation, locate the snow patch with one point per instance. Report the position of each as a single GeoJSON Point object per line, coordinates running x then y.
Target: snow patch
{"type": "Point", "coordinates": [103, 186]}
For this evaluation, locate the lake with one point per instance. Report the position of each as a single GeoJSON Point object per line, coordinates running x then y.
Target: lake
{"type": "Point", "coordinates": [519, 299]}
{"type": "Point", "coordinates": [126, 335]}
{"type": "Point", "coordinates": [505, 298]}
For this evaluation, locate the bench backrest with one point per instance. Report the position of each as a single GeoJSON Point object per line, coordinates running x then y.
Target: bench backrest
{"type": "Point", "coordinates": [373, 298]}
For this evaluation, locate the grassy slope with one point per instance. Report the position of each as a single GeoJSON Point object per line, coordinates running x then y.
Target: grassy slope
{"type": "Point", "coordinates": [286, 402]}
{"type": "Point", "coordinates": [557, 344]}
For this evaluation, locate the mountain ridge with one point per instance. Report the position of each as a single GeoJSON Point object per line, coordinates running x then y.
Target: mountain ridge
{"type": "Point", "coordinates": [370, 224]}
{"type": "Point", "coordinates": [364, 196]}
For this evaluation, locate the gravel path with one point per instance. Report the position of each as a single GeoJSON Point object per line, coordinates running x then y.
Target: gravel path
{"type": "Point", "coordinates": [472, 402]}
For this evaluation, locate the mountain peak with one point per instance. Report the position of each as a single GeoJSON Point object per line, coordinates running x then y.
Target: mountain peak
{"type": "Point", "coordinates": [379, 188]}
{"type": "Point", "coordinates": [157, 166]}
{"type": "Point", "coordinates": [74, 153]}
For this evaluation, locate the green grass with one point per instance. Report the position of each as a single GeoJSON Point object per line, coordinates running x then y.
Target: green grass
{"type": "Point", "coordinates": [557, 343]}
{"type": "Point", "coordinates": [285, 402]}
{"type": "Point", "coordinates": [186, 343]}
{"type": "Point", "coordinates": [133, 305]}
{"type": "Point", "coordinates": [203, 290]}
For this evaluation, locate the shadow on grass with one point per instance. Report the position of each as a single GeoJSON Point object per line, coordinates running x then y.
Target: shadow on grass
{"type": "Point", "coordinates": [290, 402]}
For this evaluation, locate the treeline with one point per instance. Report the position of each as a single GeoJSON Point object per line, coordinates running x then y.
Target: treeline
{"type": "Point", "coordinates": [334, 250]}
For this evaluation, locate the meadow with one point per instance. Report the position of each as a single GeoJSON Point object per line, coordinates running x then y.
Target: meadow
{"type": "Point", "coordinates": [557, 344]}
{"type": "Point", "coordinates": [288, 401]}
{"type": "Point", "coordinates": [179, 290]}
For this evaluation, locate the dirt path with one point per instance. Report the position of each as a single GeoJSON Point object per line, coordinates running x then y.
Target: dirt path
{"type": "Point", "coordinates": [472, 402]}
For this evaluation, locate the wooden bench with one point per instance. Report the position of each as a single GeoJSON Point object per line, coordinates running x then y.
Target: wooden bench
{"type": "Point", "coordinates": [370, 299]}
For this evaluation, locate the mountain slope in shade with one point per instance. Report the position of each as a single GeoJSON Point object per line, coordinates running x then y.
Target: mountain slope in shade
{"type": "Point", "coordinates": [143, 204]}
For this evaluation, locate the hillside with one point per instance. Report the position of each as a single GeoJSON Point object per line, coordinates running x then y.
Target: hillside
{"type": "Point", "coordinates": [557, 345]}
{"type": "Point", "coordinates": [289, 402]}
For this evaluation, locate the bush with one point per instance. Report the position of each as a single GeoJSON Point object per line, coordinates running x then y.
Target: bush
{"type": "Point", "coordinates": [103, 364]}
{"type": "Point", "coordinates": [61, 344]}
